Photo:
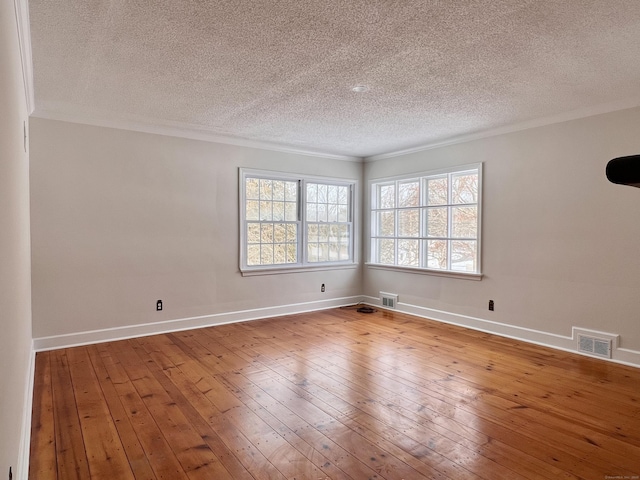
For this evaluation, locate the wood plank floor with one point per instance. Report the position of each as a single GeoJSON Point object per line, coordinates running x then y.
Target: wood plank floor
{"type": "Point", "coordinates": [332, 395]}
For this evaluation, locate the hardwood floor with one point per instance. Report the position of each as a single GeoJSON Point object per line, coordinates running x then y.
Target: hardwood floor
{"type": "Point", "coordinates": [331, 395]}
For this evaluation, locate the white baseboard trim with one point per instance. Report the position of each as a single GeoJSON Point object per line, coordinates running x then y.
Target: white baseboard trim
{"type": "Point", "coordinates": [22, 469]}
{"type": "Point", "coordinates": [623, 356]}
{"type": "Point", "coordinates": [142, 330]}
{"type": "Point", "coordinates": [560, 342]}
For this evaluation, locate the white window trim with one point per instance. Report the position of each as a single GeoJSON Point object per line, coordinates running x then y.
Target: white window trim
{"type": "Point", "coordinates": [426, 271]}
{"type": "Point", "coordinates": [423, 270]}
{"type": "Point", "coordinates": [303, 265]}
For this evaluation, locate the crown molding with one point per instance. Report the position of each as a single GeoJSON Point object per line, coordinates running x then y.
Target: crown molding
{"type": "Point", "coordinates": [24, 40]}
{"type": "Point", "coordinates": [196, 132]}
{"type": "Point", "coordinates": [182, 130]}
{"type": "Point", "coordinates": [516, 127]}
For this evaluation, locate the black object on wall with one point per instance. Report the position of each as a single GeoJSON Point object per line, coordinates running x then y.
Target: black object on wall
{"type": "Point", "coordinates": [624, 170]}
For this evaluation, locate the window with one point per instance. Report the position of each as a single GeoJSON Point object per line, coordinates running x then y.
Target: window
{"type": "Point", "coordinates": [430, 221]}
{"type": "Point", "coordinates": [292, 222]}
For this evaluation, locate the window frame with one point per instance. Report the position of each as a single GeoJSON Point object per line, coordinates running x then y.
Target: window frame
{"type": "Point", "coordinates": [423, 177]}
{"type": "Point", "coordinates": [303, 264]}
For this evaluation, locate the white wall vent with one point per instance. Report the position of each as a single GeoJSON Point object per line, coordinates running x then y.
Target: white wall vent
{"type": "Point", "coordinates": [593, 342]}
{"type": "Point", "coordinates": [594, 346]}
{"type": "Point", "coordinates": [389, 300]}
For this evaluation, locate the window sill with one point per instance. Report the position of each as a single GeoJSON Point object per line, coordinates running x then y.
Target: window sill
{"type": "Point", "coordinates": [296, 269]}
{"type": "Point", "coordinates": [425, 271]}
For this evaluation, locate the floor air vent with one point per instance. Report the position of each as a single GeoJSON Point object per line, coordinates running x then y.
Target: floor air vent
{"type": "Point", "coordinates": [594, 346]}
{"type": "Point", "coordinates": [389, 300]}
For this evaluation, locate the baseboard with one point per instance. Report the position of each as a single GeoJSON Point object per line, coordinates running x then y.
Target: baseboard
{"type": "Point", "coordinates": [560, 342]}
{"type": "Point", "coordinates": [22, 469]}
{"type": "Point", "coordinates": [142, 330]}
{"type": "Point", "coordinates": [623, 356]}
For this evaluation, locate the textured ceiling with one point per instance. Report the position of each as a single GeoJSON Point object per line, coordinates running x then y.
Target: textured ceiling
{"type": "Point", "coordinates": [282, 71]}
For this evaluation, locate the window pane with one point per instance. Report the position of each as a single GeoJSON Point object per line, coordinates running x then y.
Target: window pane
{"type": "Point", "coordinates": [464, 222]}
{"type": "Point", "coordinates": [387, 196]}
{"type": "Point", "coordinates": [252, 188]}
{"type": "Point", "coordinates": [266, 254]}
{"type": "Point", "coordinates": [266, 189]}
{"type": "Point", "coordinates": [386, 224]}
{"type": "Point", "coordinates": [265, 210]}
{"type": "Point", "coordinates": [464, 255]}
{"type": "Point", "coordinates": [318, 252]}
{"type": "Point", "coordinates": [332, 196]}
{"type": "Point", "coordinates": [292, 253]}
{"type": "Point", "coordinates": [409, 252]}
{"type": "Point", "coordinates": [312, 212]}
{"type": "Point", "coordinates": [323, 233]}
{"type": "Point", "coordinates": [333, 232]}
{"type": "Point", "coordinates": [312, 233]}
{"type": "Point", "coordinates": [279, 253]}
{"type": "Point", "coordinates": [322, 193]}
{"type": "Point", "coordinates": [266, 233]}
{"type": "Point", "coordinates": [343, 213]}
{"type": "Point", "coordinates": [253, 233]}
{"type": "Point", "coordinates": [278, 190]}
{"type": "Point", "coordinates": [344, 242]}
{"type": "Point", "coordinates": [465, 188]}
{"type": "Point", "coordinates": [253, 254]}
{"type": "Point", "coordinates": [332, 213]}
{"type": "Point", "coordinates": [343, 195]}
{"type": "Point", "coordinates": [322, 212]}
{"type": "Point", "coordinates": [280, 233]}
{"type": "Point", "coordinates": [253, 210]}
{"type": "Point", "coordinates": [387, 251]}
{"type": "Point", "coordinates": [324, 252]}
{"type": "Point", "coordinates": [312, 252]}
{"type": "Point", "coordinates": [409, 194]}
{"type": "Point", "coordinates": [291, 191]}
{"type": "Point", "coordinates": [334, 252]}
{"type": "Point", "coordinates": [409, 223]}
{"type": "Point", "coordinates": [292, 231]}
{"type": "Point", "coordinates": [278, 211]}
{"type": "Point", "coordinates": [290, 211]}
{"type": "Point", "coordinates": [312, 192]}
{"type": "Point", "coordinates": [437, 191]}
{"type": "Point", "coordinates": [437, 222]}
{"type": "Point", "coordinates": [437, 254]}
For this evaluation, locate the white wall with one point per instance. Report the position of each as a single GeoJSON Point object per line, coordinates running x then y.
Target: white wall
{"type": "Point", "coordinates": [121, 219]}
{"type": "Point", "coordinates": [15, 290]}
{"type": "Point", "coordinates": [560, 244]}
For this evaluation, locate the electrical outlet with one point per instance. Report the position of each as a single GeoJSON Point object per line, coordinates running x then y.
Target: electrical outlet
{"type": "Point", "coordinates": [491, 305]}
{"type": "Point", "coordinates": [159, 305]}
{"type": "Point", "coordinates": [322, 288]}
